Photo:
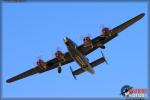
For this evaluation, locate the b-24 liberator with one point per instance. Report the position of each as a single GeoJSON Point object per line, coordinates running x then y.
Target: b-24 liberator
{"type": "Point", "coordinates": [78, 53]}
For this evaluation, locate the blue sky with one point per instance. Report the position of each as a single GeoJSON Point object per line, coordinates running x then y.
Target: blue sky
{"type": "Point", "coordinates": [33, 30]}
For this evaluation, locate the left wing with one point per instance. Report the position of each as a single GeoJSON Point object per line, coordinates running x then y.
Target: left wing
{"type": "Point", "coordinates": [24, 74]}
{"type": "Point", "coordinates": [114, 32]}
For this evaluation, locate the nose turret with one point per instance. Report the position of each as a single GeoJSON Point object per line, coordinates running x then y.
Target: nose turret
{"type": "Point", "coordinates": [66, 39]}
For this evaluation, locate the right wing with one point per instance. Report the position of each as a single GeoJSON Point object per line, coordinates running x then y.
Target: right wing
{"type": "Point", "coordinates": [51, 64]}
{"type": "Point", "coordinates": [24, 74]}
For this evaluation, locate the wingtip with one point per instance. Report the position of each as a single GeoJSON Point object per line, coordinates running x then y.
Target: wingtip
{"type": "Point", "coordinates": [143, 14]}
{"type": "Point", "coordinates": [8, 81]}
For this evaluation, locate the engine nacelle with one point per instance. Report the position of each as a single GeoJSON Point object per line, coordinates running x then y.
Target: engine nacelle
{"type": "Point", "coordinates": [105, 31]}
{"type": "Point", "coordinates": [41, 64]}
{"type": "Point", "coordinates": [87, 42]}
{"type": "Point", "coordinates": [86, 39]}
{"type": "Point", "coordinates": [60, 55]}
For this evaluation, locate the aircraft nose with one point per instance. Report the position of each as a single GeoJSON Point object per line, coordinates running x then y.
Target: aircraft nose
{"type": "Point", "coordinates": [65, 39]}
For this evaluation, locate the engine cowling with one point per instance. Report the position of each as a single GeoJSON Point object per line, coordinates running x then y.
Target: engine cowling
{"type": "Point", "coordinates": [105, 31]}
{"type": "Point", "coordinates": [87, 42]}
{"type": "Point", "coordinates": [59, 55]}
{"type": "Point", "coordinates": [86, 39]}
{"type": "Point", "coordinates": [41, 64]}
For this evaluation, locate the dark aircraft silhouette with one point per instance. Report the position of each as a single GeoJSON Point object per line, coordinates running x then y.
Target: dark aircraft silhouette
{"type": "Point", "coordinates": [77, 53]}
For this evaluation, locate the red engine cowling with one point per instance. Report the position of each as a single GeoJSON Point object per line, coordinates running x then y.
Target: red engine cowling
{"type": "Point", "coordinates": [60, 55]}
{"type": "Point", "coordinates": [105, 31]}
{"type": "Point", "coordinates": [41, 64]}
{"type": "Point", "coordinates": [86, 40]}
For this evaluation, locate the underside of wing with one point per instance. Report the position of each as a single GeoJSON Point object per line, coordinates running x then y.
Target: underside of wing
{"type": "Point", "coordinates": [54, 63]}
{"type": "Point", "coordinates": [127, 24]}
{"type": "Point", "coordinates": [113, 33]}
{"type": "Point", "coordinates": [24, 74]}
{"type": "Point", "coordinates": [51, 64]}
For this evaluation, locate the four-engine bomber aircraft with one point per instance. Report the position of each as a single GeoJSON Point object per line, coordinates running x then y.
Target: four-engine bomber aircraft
{"type": "Point", "coordinates": [77, 53]}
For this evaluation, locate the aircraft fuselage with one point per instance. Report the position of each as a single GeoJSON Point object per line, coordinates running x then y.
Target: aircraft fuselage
{"type": "Point", "coordinates": [77, 56]}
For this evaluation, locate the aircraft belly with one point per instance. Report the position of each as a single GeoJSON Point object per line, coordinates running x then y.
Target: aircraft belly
{"type": "Point", "coordinates": [82, 61]}
{"type": "Point", "coordinates": [90, 70]}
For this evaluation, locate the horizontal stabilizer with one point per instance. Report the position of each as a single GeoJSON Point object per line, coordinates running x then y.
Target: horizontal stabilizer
{"type": "Point", "coordinates": [98, 61]}
{"type": "Point", "coordinates": [93, 64]}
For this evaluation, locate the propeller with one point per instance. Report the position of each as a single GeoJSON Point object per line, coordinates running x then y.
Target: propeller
{"type": "Point", "coordinates": [39, 57]}
{"type": "Point", "coordinates": [103, 26]}
{"type": "Point", "coordinates": [58, 49]}
{"type": "Point", "coordinates": [53, 54]}
{"type": "Point", "coordinates": [87, 35]}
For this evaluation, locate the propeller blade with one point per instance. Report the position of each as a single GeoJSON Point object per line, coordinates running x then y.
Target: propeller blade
{"type": "Point", "coordinates": [58, 49]}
